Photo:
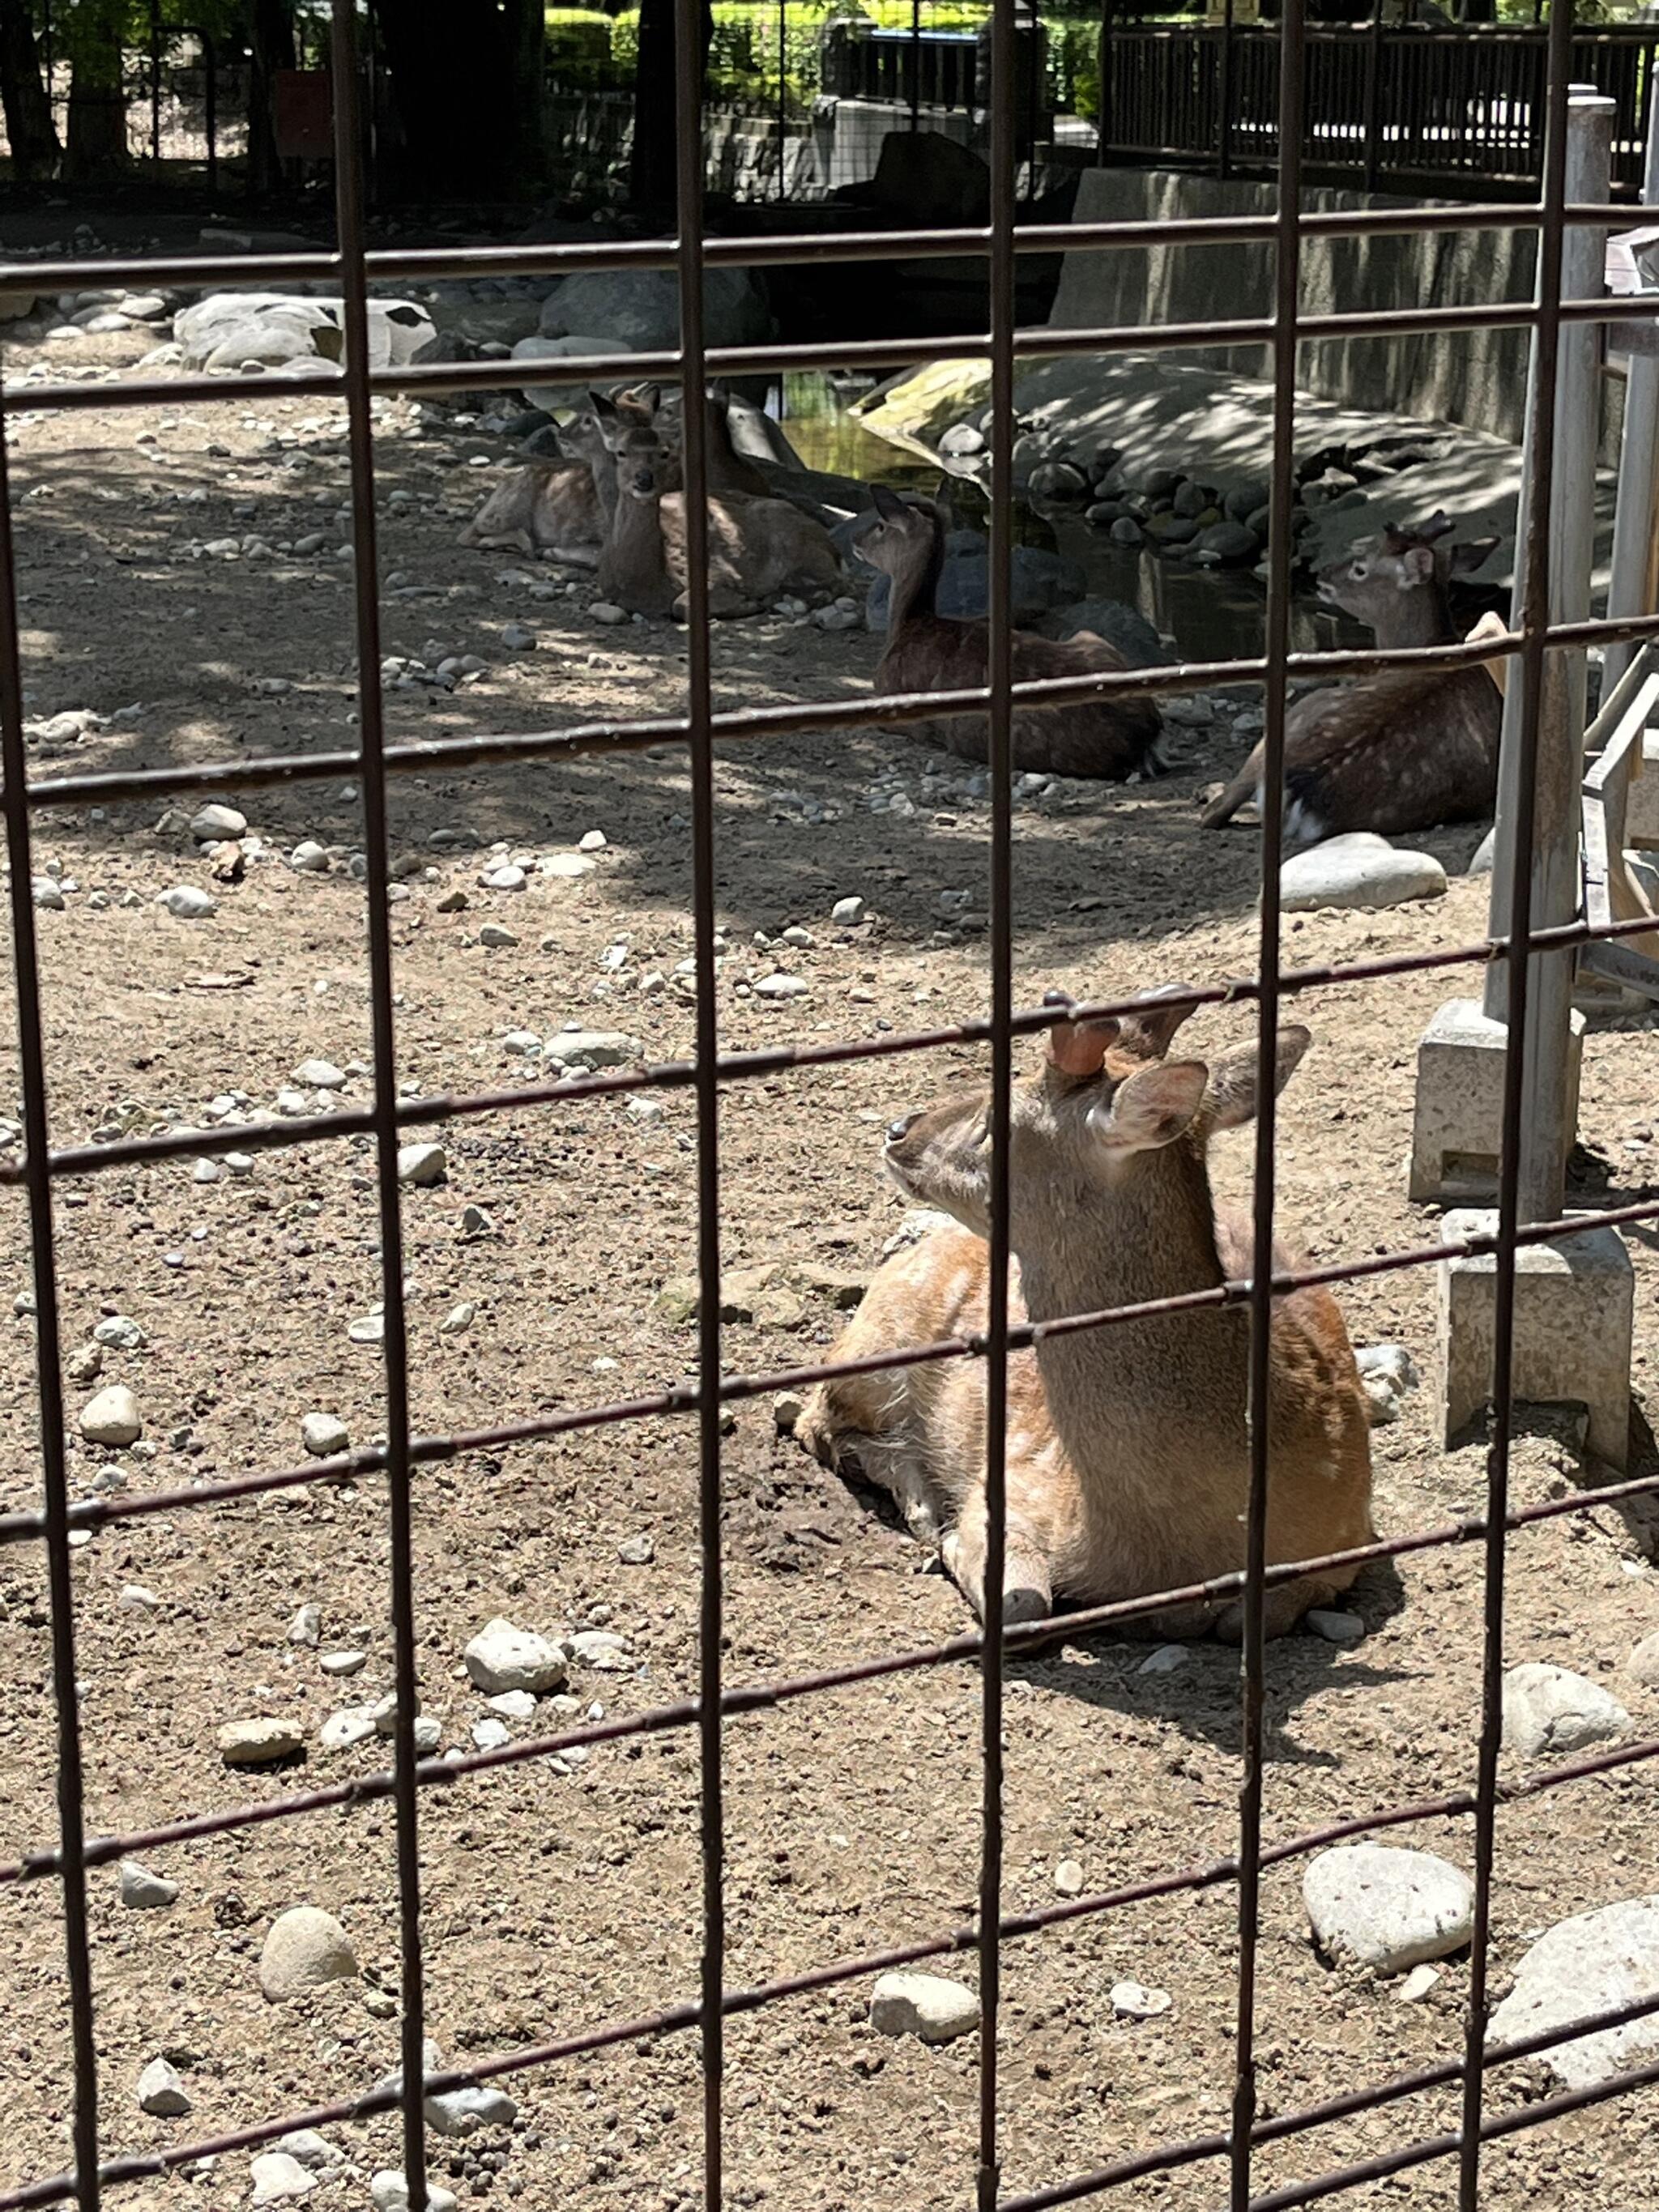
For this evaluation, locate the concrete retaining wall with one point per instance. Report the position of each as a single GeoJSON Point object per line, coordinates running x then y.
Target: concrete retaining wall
{"type": "Point", "coordinates": [1478, 378]}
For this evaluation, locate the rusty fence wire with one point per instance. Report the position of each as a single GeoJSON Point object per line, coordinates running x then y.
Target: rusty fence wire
{"type": "Point", "coordinates": [67, 1860]}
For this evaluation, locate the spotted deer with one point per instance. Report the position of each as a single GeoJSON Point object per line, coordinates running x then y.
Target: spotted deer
{"type": "Point", "coordinates": [1127, 1454]}
{"type": "Point", "coordinates": [1404, 749]}
{"type": "Point", "coordinates": [548, 506]}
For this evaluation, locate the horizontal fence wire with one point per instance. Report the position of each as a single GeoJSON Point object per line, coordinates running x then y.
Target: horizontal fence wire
{"type": "Point", "coordinates": [700, 729]}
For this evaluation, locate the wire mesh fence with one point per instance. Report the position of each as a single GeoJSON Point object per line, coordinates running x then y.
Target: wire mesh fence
{"type": "Point", "coordinates": [710, 1073]}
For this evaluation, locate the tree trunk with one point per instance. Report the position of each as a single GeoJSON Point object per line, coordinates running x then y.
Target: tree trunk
{"type": "Point", "coordinates": [97, 150]}
{"type": "Point", "coordinates": [466, 80]}
{"type": "Point", "coordinates": [29, 129]}
{"type": "Point", "coordinates": [651, 174]}
{"type": "Point", "coordinates": [271, 40]}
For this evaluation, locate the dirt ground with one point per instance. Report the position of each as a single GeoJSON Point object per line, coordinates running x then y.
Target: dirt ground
{"type": "Point", "coordinates": [557, 1900]}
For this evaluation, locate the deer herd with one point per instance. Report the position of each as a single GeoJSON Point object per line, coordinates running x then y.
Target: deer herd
{"type": "Point", "coordinates": [1127, 1444]}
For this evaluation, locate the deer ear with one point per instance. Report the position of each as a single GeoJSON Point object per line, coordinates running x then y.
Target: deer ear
{"type": "Point", "coordinates": [1416, 566]}
{"type": "Point", "coordinates": [889, 506]}
{"type": "Point", "coordinates": [1151, 1107]}
{"type": "Point", "coordinates": [604, 408]}
{"type": "Point", "coordinates": [1079, 1048]}
{"type": "Point", "coordinates": [1233, 1095]}
{"type": "Point", "coordinates": [649, 397]}
{"type": "Point", "coordinates": [1158, 1024]}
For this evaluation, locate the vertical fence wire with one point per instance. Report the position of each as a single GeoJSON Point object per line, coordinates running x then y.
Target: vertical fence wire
{"type": "Point", "coordinates": [1287, 288]}
{"type": "Point", "coordinates": [49, 1366]}
{"type": "Point", "coordinates": [371, 720]}
{"type": "Point", "coordinates": [689, 169]}
{"type": "Point", "coordinates": [999, 757]}
{"type": "Point", "coordinates": [1535, 613]}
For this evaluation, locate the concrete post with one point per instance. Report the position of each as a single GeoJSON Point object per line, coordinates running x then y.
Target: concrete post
{"type": "Point", "coordinates": [1629, 589]}
{"type": "Point", "coordinates": [1546, 1129]}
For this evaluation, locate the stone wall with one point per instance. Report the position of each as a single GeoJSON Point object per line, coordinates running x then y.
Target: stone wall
{"type": "Point", "coordinates": [1477, 377]}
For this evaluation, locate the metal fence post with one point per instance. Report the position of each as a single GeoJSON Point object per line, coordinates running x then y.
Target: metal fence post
{"type": "Point", "coordinates": [1546, 1136]}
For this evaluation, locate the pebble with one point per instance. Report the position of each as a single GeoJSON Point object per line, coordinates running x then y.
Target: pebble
{"type": "Point", "coordinates": [591, 841]}
{"type": "Point", "coordinates": [648, 1112]}
{"type": "Point", "coordinates": [570, 864]}
{"type": "Point", "coordinates": [319, 1075]}
{"type": "Point", "coordinates": [924, 2005]}
{"type": "Point", "coordinates": [778, 987]}
{"type": "Point", "coordinates": [636, 1550]}
{"type": "Point", "coordinates": [1359, 869]}
{"type": "Point", "coordinates": [388, 2191]}
{"type": "Point", "coordinates": [1166, 1660]}
{"type": "Point", "coordinates": [256, 1743]}
{"type": "Point", "coordinates": [306, 1625]}
{"type": "Point", "coordinates": [46, 893]}
{"type": "Point", "coordinates": [849, 912]}
{"type": "Point", "coordinates": [502, 1657]}
{"type": "Point", "coordinates": [788, 1406]}
{"type": "Point", "coordinates": [605, 611]}
{"type": "Point", "coordinates": [1386, 1909]}
{"type": "Point", "coordinates": [458, 1319]}
{"type": "Point", "coordinates": [304, 1948]}
{"type": "Point", "coordinates": [1585, 1965]}
{"type": "Point", "coordinates": [339, 1664]}
{"type": "Point", "coordinates": [184, 902]}
{"type": "Point", "coordinates": [308, 858]}
{"type": "Point", "coordinates": [215, 823]}
{"type": "Point", "coordinates": [593, 1047]}
{"type": "Point", "coordinates": [490, 1734]}
{"type": "Point", "coordinates": [112, 1418]}
{"type": "Point", "coordinates": [460, 2112]}
{"type": "Point", "coordinates": [144, 1892]}
{"type": "Point", "coordinates": [161, 2093]}
{"type": "Point", "coordinates": [135, 1598]}
{"type": "Point", "coordinates": [517, 639]}
{"type": "Point", "coordinates": [352, 1724]}
{"type": "Point", "coordinates": [601, 1648]}
{"type": "Point", "coordinates": [117, 1333]}
{"type": "Point", "coordinates": [1642, 1665]}
{"type": "Point", "coordinates": [324, 1434]}
{"type": "Point", "coordinates": [206, 1172]}
{"type": "Point", "coordinates": [1343, 1628]}
{"type": "Point", "coordinates": [1548, 1710]}
{"type": "Point", "coordinates": [497, 937]}
{"type": "Point", "coordinates": [1417, 1985]}
{"type": "Point", "coordinates": [370, 1329]}
{"type": "Point", "coordinates": [421, 1165]}
{"type": "Point", "coordinates": [1068, 1878]}
{"type": "Point", "coordinates": [504, 880]}
{"type": "Point", "coordinates": [311, 2150]}
{"type": "Point", "coordinates": [1131, 2001]}
{"type": "Point", "coordinates": [474, 1222]}
{"type": "Point", "coordinates": [514, 1705]}
{"type": "Point", "coordinates": [276, 2175]}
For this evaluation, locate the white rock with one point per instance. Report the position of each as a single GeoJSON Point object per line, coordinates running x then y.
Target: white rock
{"type": "Point", "coordinates": [601, 1648]}
{"type": "Point", "coordinates": [256, 1743]}
{"type": "Point", "coordinates": [1591, 1964]}
{"type": "Point", "coordinates": [161, 2093]}
{"type": "Point", "coordinates": [389, 2192]}
{"type": "Point", "coordinates": [319, 1075]}
{"type": "Point", "coordinates": [496, 938]}
{"type": "Point", "coordinates": [306, 1624]}
{"type": "Point", "coordinates": [45, 893]}
{"type": "Point", "coordinates": [112, 1417]}
{"type": "Point", "coordinates": [501, 1657]}
{"type": "Point", "coordinates": [606, 610]}
{"type": "Point", "coordinates": [458, 1319]}
{"type": "Point", "coordinates": [276, 2175]}
{"type": "Point", "coordinates": [370, 1329]}
{"type": "Point", "coordinates": [1548, 1710]}
{"type": "Point", "coordinates": [1416, 1985]}
{"type": "Point", "coordinates": [1344, 1628]}
{"type": "Point", "coordinates": [568, 865]}
{"type": "Point", "coordinates": [925, 2005]}
{"type": "Point", "coordinates": [142, 1891]}
{"type": "Point", "coordinates": [636, 1550]}
{"type": "Point", "coordinates": [117, 1333]}
{"type": "Point", "coordinates": [508, 878]}
{"type": "Point", "coordinates": [848, 911]}
{"type": "Point", "coordinates": [1068, 1878]}
{"type": "Point", "coordinates": [214, 823]}
{"type": "Point", "coordinates": [593, 1047]}
{"type": "Point", "coordinates": [1391, 1362]}
{"type": "Point", "coordinates": [778, 987]}
{"type": "Point", "coordinates": [224, 330]}
{"type": "Point", "coordinates": [339, 1664]}
{"type": "Point", "coordinates": [1480, 861]}
{"type": "Point", "coordinates": [591, 841]}
{"type": "Point", "coordinates": [184, 902]}
{"type": "Point", "coordinates": [314, 2151]}
{"type": "Point", "coordinates": [1642, 1665]}
{"type": "Point", "coordinates": [490, 1734]}
{"type": "Point", "coordinates": [135, 1598]}
{"type": "Point", "coordinates": [352, 1724]}
{"type": "Point", "coordinates": [421, 1165]}
{"type": "Point", "coordinates": [324, 1434]}
{"type": "Point", "coordinates": [1131, 2001]}
{"type": "Point", "coordinates": [1387, 1909]}
{"type": "Point", "coordinates": [308, 858]}
{"type": "Point", "coordinates": [459, 2111]}
{"type": "Point", "coordinates": [514, 1705]}
{"type": "Point", "coordinates": [1358, 869]}
{"type": "Point", "coordinates": [304, 1948]}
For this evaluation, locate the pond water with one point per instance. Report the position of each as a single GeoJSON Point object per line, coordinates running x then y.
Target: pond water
{"type": "Point", "coordinates": [1212, 614]}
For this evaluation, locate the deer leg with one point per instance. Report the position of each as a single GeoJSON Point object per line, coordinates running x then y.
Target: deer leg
{"type": "Point", "coordinates": [1027, 1577]}
{"type": "Point", "coordinates": [890, 1461]}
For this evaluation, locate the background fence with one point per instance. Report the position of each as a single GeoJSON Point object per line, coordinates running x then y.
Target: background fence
{"type": "Point", "coordinates": [371, 762]}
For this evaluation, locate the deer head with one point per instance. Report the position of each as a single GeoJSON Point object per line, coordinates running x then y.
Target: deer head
{"type": "Point", "coordinates": [1397, 583]}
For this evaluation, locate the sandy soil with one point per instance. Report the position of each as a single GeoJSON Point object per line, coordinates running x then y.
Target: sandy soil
{"type": "Point", "coordinates": [554, 1901]}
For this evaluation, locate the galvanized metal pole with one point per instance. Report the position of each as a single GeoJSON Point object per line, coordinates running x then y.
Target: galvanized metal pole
{"type": "Point", "coordinates": [1630, 584]}
{"type": "Point", "coordinates": [1545, 1136]}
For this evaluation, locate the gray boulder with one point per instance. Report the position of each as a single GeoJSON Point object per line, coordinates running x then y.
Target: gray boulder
{"type": "Point", "coordinates": [278, 330]}
{"type": "Point", "coordinates": [1131, 632]}
{"type": "Point", "coordinates": [1386, 1909]}
{"type": "Point", "coordinates": [1548, 1710]}
{"type": "Point", "coordinates": [1359, 869]}
{"type": "Point", "coordinates": [640, 308]}
{"type": "Point", "coordinates": [1593, 1963]}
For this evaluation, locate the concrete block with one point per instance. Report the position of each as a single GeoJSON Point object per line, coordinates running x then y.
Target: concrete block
{"type": "Point", "coordinates": [1574, 1307]}
{"type": "Point", "coordinates": [1642, 805]}
{"type": "Point", "coordinates": [1459, 1112]}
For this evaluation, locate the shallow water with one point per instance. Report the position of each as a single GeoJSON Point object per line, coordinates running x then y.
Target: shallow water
{"type": "Point", "coordinates": [1212, 614]}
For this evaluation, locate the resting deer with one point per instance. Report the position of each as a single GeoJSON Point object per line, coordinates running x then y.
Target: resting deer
{"type": "Point", "coordinates": [759, 549]}
{"type": "Point", "coordinates": [546, 507]}
{"type": "Point", "coordinates": [1402, 751]}
{"type": "Point", "coordinates": [1112, 737]}
{"type": "Point", "coordinates": [1127, 1458]}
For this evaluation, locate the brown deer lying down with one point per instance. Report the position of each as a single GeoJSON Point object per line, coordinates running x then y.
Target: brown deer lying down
{"type": "Point", "coordinates": [759, 549]}
{"type": "Point", "coordinates": [1401, 750]}
{"type": "Point", "coordinates": [1127, 1461]}
{"type": "Point", "coordinates": [1112, 737]}
{"type": "Point", "coordinates": [546, 507]}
